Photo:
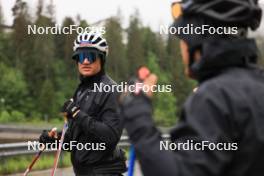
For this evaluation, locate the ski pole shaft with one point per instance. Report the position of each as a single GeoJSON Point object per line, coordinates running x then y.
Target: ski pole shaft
{"type": "Point", "coordinates": [33, 161]}
{"type": "Point", "coordinates": [132, 158]}
{"type": "Point", "coordinates": [57, 157]}
{"type": "Point", "coordinates": [36, 157]}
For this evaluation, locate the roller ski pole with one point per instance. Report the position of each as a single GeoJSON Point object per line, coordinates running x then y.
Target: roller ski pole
{"type": "Point", "coordinates": [37, 156]}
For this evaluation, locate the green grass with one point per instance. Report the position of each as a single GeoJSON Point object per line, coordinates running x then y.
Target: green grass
{"type": "Point", "coordinates": [19, 164]}
{"type": "Point", "coordinates": [38, 124]}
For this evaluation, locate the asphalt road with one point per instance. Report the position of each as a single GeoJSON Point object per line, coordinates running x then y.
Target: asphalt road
{"type": "Point", "coordinates": [68, 172]}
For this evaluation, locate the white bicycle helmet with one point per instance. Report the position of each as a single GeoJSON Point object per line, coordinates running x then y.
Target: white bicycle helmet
{"type": "Point", "coordinates": [91, 40]}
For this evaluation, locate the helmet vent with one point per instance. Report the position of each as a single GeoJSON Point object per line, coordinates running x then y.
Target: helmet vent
{"type": "Point", "coordinates": [97, 40]}
{"type": "Point", "coordinates": [91, 37]}
{"type": "Point", "coordinates": [103, 44]}
{"type": "Point", "coordinates": [91, 40]}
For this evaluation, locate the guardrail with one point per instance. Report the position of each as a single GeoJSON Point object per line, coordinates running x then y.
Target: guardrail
{"type": "Point", "coordinates": [22, 129]}
{"type": "Point", "coordinates": [21, 148]}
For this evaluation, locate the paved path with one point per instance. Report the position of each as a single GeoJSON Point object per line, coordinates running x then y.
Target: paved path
{"type": "Point", "coordinates": [67, 172]}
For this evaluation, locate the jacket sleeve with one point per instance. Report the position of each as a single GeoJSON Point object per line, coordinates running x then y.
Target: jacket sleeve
{"type": "Point", "coordinates": [109, 129]}
{"type": "Point", "coordinates": [204, 118]}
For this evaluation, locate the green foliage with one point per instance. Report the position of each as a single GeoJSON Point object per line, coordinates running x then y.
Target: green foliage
{"type": "Point", "coordinates": [164, 102]}
{"type": "Point", "coordinates": [153, 42]}
{"type": "Point", "coordinates": [20, 40]}
{"type": "Point", "coordinates": [63, 84]}
{"type": "Point", "coordinates": [1, 17]}
{"type": "Point", "coordinates": [46, 100]}
{"type": "Point", "coordinates": [37, 74]}
{"type": "Point", "coordinates": [6, 50]}
{"type": "Point", "coordinates": [182, 85]}
{"type": "Point", "coordinates": [18, 164]}
{"type": "Point", "coordinates": [14, 92]}
{"type": "Point", "coordinates": [5, 116]}
{"type": "Point", "coordinates": [14, 116]}
{"type": "Point", "coordinates": [13, 88]}
{"type": "Point", "coordinates": [17, 116]}
{"type": "Point", "coordinates": [165, 109]}
{"type": "Point", "coordinates": [67, 41]}
{"type": "Point", "coordinates": [116, 63]}
{"type": "Point", "coordinates": [135, 50]}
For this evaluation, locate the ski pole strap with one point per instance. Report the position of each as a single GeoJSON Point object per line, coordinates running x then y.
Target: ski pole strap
{"type": "Point", "coordinates": [36, 157]}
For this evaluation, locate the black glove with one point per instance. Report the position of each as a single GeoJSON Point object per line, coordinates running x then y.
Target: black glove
{"type": "Point", "coordinates": [46, 138]}
{"type": "Point", "coordinates": [70, 108]}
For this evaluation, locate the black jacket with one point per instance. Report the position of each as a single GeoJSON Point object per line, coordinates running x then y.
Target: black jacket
{"type": "Point", "coordinates": [97, 123]}
{"type": "Point", "coordinates": [228, 107]}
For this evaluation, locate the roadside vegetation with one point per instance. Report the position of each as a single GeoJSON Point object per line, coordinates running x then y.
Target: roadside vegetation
{"type": "Point", "coordinates": [37, 74]}
{"type": "Point", "coordinates": [19, 164]}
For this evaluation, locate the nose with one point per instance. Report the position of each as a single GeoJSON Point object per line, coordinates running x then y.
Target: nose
{"type": "Point", "coordinates": [86, 61]}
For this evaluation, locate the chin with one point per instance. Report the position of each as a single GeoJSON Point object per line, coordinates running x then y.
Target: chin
{"type": "Point", "coordinates": [188, 73]}
{"type": "Point", "coordinates": [87, 74]}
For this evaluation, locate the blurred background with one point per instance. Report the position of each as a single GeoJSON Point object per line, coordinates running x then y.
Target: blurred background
{"type": "Point", "coordinates": [37, 74]}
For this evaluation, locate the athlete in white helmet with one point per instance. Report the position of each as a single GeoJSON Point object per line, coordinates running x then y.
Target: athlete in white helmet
{"type": "Point", "coordinates": [94, 126]}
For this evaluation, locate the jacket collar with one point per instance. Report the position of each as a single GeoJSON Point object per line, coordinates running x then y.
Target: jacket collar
{"type": "Point", "coordinates": [89, 81]}
{"type": "Point", "coordinates": [218, 55]}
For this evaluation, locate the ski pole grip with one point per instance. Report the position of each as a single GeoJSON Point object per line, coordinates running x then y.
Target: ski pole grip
{"type": "Point", "coordinates": [52, 132]}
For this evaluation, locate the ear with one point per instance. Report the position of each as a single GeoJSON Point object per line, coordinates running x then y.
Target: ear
{"type": "Point", "coordinates": [197, 55]}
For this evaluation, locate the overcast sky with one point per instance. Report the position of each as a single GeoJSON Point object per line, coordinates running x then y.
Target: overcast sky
{"type": "Point", "coordinates": [152, 12]}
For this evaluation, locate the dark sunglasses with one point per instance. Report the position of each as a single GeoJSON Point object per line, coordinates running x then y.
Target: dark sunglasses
{"type": "Point", "coordinates": [81, 55]}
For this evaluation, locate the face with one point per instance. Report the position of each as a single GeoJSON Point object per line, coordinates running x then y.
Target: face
{"type": "Point", "coordinates": [186, 58]}
{"type": "Point", "coordinates": [89, 69]}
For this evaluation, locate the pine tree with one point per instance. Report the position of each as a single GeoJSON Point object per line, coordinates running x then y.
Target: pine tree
{"type": "Point", "coordinates": [46, 100]}
{"type": "Point", "coordinates": [3, 57]}
{"type": "Point", "coordinates": [51, 10]}
{"type": "Point", "coordinates": [182, 86]}
{"type": "Point", "coordinates": [154, 43]}
{"type": "Point", "coordinates": [13, 88]}
{"type": "Point", "coordinates": [22, 42]}
{"type": "Point", "coordinates": [38, 62]}
{"type": "Point", "coordinates": [135, 50]}
{"type": "Point", "coordinates": [1, 19]}
{"type": "Point", "coordinates": [164, 102]}
{"type": "Point", "coordinates": [64, 47]}
{"type": "Point", "coordinates": [116, 63]}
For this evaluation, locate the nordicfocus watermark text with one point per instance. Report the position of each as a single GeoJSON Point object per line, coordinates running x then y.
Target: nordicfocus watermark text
{"type": "Point", "coordinates": [198, 146]}
{"type": "Point", "coordinates": [67, 146]}
{"type": "Point", "coordinates": [190, 29]}
{"type": "Point", "coordinates": [67, 30]}
{"type": "Point", "coordinates": [125, 87]}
